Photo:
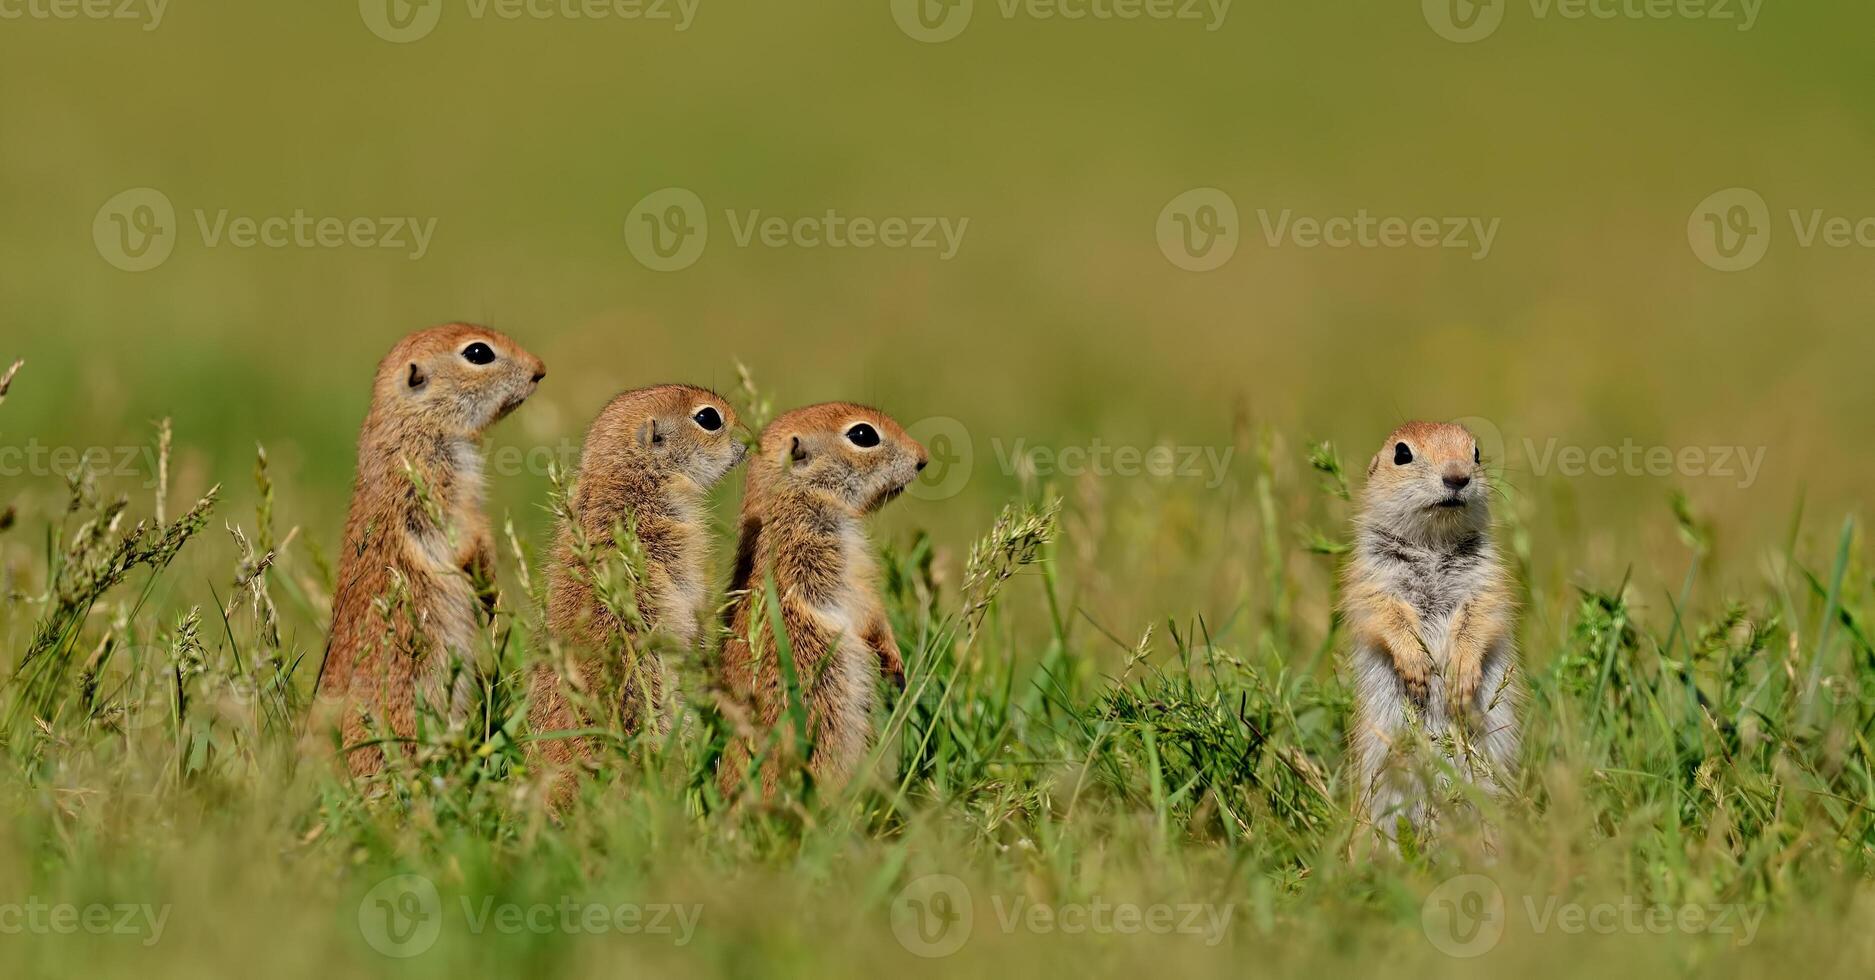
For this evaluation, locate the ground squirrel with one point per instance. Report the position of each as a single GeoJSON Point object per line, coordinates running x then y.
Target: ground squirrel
{"type": "Point", "coordinates": [418, 556]}
{"type": "Point", "coordinates": [1432, 616]}
{"type": "Point", "coordinates": [649, 461]}
{"type": "Point", "coordinates": [819, 471]}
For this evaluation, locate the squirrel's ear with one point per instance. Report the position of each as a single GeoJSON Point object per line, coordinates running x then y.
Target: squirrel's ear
{"type": "Point", "coordinates": [797, 450]}
{"type": "Point", "coordinates": [417, 376]}
{"type": "Point", "coordinates": [648, 434]}
{"type": "Point", "coordinates": [1373, 464]}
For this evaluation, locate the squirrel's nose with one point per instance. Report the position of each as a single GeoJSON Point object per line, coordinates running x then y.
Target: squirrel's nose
{"type": "Point", "coordinates": [1458, 482]}
{"type": "Point", "coordinates": [540, 373]}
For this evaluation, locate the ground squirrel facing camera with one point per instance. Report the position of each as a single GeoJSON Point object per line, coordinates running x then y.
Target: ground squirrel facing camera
{"type": "Point", "coordinates": [649, 461]}
{"type": "Point", "coordinates": [819, 471]}
{"type": "Point", "coordinates": [418, 557]}
{"type": "Point", "coordinates": [1432, 615]}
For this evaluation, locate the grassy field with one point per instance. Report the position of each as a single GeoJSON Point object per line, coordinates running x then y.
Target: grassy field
{"type": "Point", "coordinates": [1121, 750]}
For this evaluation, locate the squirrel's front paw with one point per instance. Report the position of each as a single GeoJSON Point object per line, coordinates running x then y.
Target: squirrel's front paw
{"type": "Point", "coordinates": [892, 665]}
{"type": "Point", "coordinates": [1416, 674]}
{"type": "Point", "coordinates": [1462, 685]}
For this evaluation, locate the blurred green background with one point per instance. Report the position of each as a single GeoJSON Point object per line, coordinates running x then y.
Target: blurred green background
{"type": "Point", "coordinates": [1059, 321]}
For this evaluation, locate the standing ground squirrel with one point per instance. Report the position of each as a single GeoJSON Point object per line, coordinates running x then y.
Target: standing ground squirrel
{"type": "Point", "coordinates": [649, 462]}
{"type": "Point", "coordinates": [419, 554]}
{"type": "Point", "coordinates": [819, 471]}
{"type": "Point", "coordinates": [1431, 613]}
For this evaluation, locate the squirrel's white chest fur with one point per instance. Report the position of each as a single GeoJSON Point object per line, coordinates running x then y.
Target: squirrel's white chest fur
{"type": "Point", "coordinates": [679, 584]}
{"type": "Point", "coordinates": [1434, 580]}
{"type": "Point", "coordinates": [447, 608]}
{"type": "Point", "coordinates": [844, 613]}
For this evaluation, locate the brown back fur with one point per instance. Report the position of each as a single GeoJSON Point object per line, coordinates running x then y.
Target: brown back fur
{"type": "Point", "coordinates": [410, 571]}
{"type": "Point", "coordinates": [809, 489]}
{"type": "Point", "coordinates": [648, 462]}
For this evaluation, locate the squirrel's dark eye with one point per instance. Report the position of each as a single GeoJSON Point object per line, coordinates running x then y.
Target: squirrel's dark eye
{"type": "Point", "coordinates": [478, 353]}
{"type": "Point", "coordinates": [709, 418]}
{"type": "Point", "coordinates": [862, 435]}
{"type": "Point", "coordinates": [1402, 455]}
{"type": "Point", "coordinates": [1477, 456]}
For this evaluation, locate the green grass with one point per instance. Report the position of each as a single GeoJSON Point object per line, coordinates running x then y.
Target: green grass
{"type": "Point", "coordinates": [1147, 712]}
{"type": "Point", "coordinates": [1110, 797]}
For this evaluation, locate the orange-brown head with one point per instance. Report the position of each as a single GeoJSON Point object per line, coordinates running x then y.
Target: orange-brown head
{"type": "Point", "coordinates": [664, 433]}
{"type": "Point", "coordinates": [1428, 476]}
{"type": "Point", "coordinates": [855, 455]}
{"type": "Point", "coordinates": [455, 380]}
